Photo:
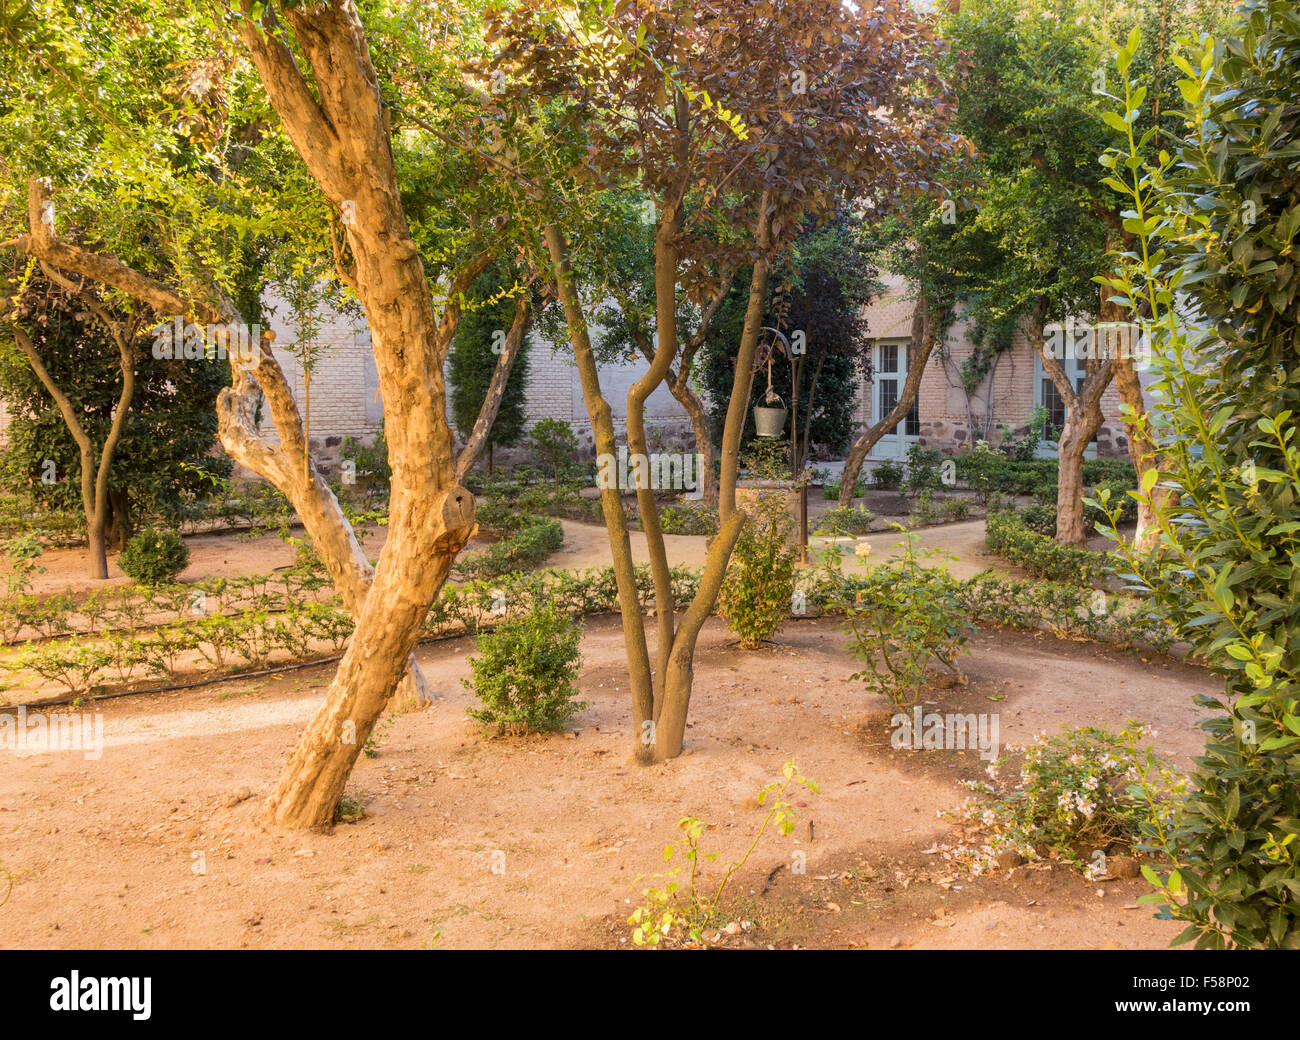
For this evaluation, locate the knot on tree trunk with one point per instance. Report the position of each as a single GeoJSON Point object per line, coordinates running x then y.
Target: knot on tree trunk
{"type": "Point", "coordinates": [455, 507]}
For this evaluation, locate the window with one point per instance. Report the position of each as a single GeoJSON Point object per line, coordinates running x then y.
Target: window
{"type": "Point", "coordinates": [889, 375]}
{"type": "Point", "coordinates": [1046, 395]}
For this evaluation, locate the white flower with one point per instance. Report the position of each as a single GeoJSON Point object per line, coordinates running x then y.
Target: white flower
{"type": "Point", "coordinates": [1090, 783]}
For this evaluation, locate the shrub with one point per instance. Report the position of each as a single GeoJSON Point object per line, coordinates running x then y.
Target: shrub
{"type": "Point", "coordinates": [755, 596]}
{"type": "Point", "coordinates": [525, 673]}
{"type": "Point", "coordinates": [888, 476]}
{"type": "Point", "coordinates": [923, 467]}
{"type": "Point", "coordinates": [1040, 520]}
{"type": "Point", "coordinates": [831, 490]}
{"type": "Point", "coordinates": [846, 520]}
{"type": "Point", "coordinates": [153, 557]}
{"type": "Point", "coordinates": [528, 541]}
{"type": "Point", "coordinates": [955, 508]}
{"type": "Point", "coordinates": [1075, 796]}
{"type": "Point", "coordinates": [902, 617]}
{"type": "Point", "coordinates": [767, 458]}
{"type": "Point", "coordinates": [1229, 396]}
{"type": "Point", "coordinates": [1041, 555]}
{"type": "Point", "coordinates": [688, 518]}
{"type": "Point", "coordinates": [555, 444]}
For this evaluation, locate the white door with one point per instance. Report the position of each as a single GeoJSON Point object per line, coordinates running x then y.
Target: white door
{"type": "Point", "coordinates": [890, 372]}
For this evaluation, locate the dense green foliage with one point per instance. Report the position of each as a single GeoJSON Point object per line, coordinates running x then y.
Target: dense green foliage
{"type": "Point", "coordinates": [473, 357]}
{"type": "Point", "coordinates": [525, 541]}
{"type": "Point", "coordinates": [755, 597]}
{"type": "Point", "coordinates": [153, 557]}
{"type": "Point", "coordinates": [1214, 223]}
{"type": "Point", "coordinates": [164, 461]}
{"type": "Point", "coordinates": [1012, 537]}
{"type": "Point", "coordinates": [525, 673]}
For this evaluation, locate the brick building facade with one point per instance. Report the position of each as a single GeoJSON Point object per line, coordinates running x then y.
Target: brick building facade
{"type": "Point", "coordinates": [944, 416]}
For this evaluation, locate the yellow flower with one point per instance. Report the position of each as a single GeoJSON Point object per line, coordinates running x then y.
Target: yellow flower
{"type": "Point", "coordinates": [862, 551]}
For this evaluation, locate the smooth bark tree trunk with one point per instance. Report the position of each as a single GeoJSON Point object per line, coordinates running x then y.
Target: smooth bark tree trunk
{"type": "Point", "coordinates": [1083, 418]}
{"type": "Point", "coordinates": [922, 338]}
{"type": "Point", "coordinates": [679, 385]}
{"type": "Point", "coordinates": [602, 424]}
{"type": "Point", "coordinates": [1143, 452]}
{"type": "Point", "coordinates": [674, 707]}
{"type": "Point", "coordinates": [487, 413]}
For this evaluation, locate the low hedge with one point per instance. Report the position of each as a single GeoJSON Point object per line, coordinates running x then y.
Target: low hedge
{"type": "Point", "coordinates": [1010, 536]}
{"type": "Point", "coordinates": [1030, 476]}
{"type": "Point", "coordinates": [527, 541]}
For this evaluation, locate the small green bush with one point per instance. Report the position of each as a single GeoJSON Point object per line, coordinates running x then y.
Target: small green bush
{"type": "Point", "coordinates": [688, 518]}
{"type": "Point", "coordinates": [888, 476]}
{"type": "Point", "coordinates": [154, 557]}
{"type": "Point", "coordinates": [527, 541]}
{"type": "Point", "coordinates": [902, 617]}
{"type": "Point", "coordinates": [1040, 520]}
{"type": "Point", "coordinates": [555, 444]}
{"type": "Point", "coordinates": [846, 520]}
{"type": "Point", "coordinates": [755, 597]}
{"type": "Point", "coordinates": [923, 468]}
{"type": "Point", "coordinates": [525, 673]}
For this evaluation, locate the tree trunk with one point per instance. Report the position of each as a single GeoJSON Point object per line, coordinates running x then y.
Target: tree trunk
{"type": "Point", "coordinates": [672, 711]}
{"type": "Point", "coordinates": [1083, 419]}
{"type": "Point", "coordinates": [1076, 435]}
{"type": "Point", "coordinates": [923, 338]}
{"type": "Point", "coordinates": [345, 140]}
{"type": "Point", "coordinates": [602, 425]}
{"type": "Point", "coordinates": [487, 413]}
{"type": "Point", "coordinates": [1141, 449]}
{"type": "Point", "coordinates": [97, 561]}
{"type": "Point", "coordinates": [285, 463]}
{"type": "Point", "coordinates": [119, 520]}
{"type": "Point", "coordinates": [699, 417]}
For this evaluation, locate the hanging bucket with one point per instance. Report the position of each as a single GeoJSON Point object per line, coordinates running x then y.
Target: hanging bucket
{"type": "Point", "coordinates": [769, 422]}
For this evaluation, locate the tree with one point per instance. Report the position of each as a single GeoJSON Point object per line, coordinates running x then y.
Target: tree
{"type": "Point", "coordinates": [316, 69]}
{"type": "Point", "coordinates": [163, 456]}
{"type": "Point", "coordinates": [817, 302]}
{"type": "Point", "coordinates": [476, 350]}
{"type": "Point", "coordinates": [94, 473]}
{"type": "Point", "coordinates": [938, 258]}
{"type": "Point", "coordinates": [1031, 81]}
{"type": "Point", "coordinates": [830, 98]}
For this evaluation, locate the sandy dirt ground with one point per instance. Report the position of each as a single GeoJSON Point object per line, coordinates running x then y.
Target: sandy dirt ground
{"type": "Point", "coordinates": [472, 841]}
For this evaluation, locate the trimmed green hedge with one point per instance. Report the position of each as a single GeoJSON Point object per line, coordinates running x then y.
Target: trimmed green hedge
{"type": "Point", "coordinates": [1027, 477]}
{"type": "Point", "coordinates": [1010, 536]}
{"type": "Point", "coordinates": [527, 541]}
